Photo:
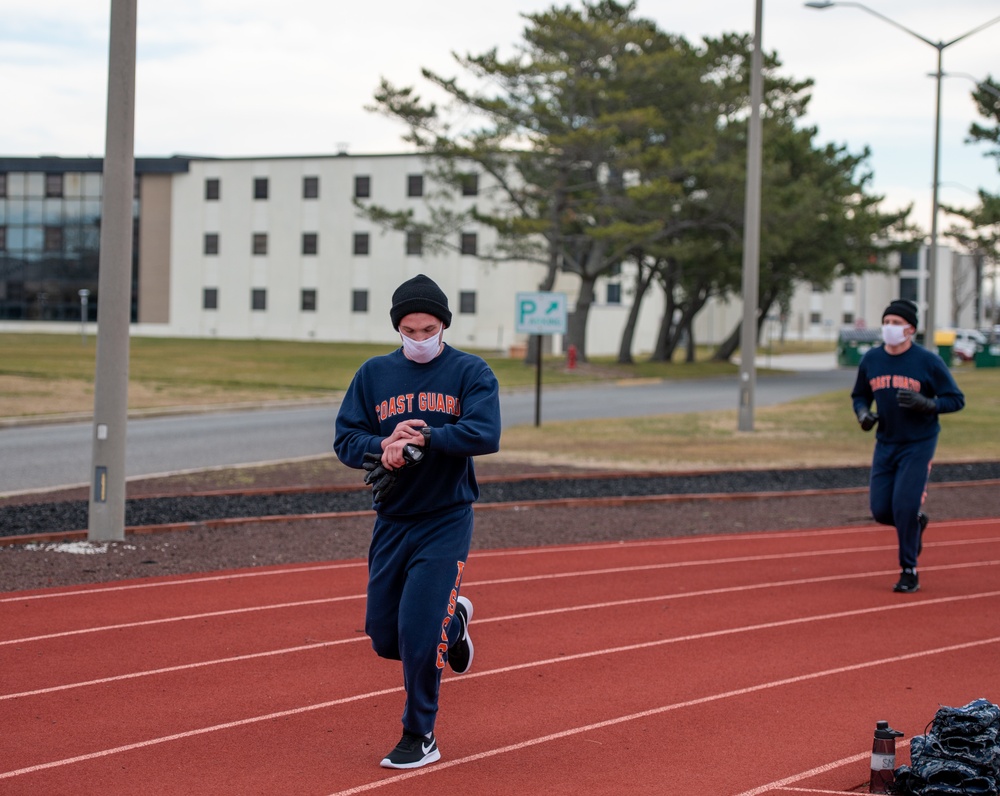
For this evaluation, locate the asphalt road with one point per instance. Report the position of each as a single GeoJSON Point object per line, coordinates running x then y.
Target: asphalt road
{"type": "Point", "coordinates": [47, 456]}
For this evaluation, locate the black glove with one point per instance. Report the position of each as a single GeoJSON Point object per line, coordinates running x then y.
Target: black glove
{"type": "Point", "coordinates": [377, 477]}
{"type": "Point", "coordinates": [867, 419]}
{"type": "Point", "coordinates": [909, 399]}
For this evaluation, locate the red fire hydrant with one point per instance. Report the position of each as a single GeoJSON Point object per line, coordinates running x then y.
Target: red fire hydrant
{"type": "Point", "coordinates": [571, 357]}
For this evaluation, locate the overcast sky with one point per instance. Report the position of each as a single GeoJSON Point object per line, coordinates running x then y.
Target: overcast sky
{"type": "Point", "coordinates": [293, 77]}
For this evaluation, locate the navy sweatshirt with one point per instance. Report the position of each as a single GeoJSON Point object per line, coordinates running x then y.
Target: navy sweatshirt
{"type": "Point", "coordinates": [881, 375]}
{"type": "Point", "coordinates": [456, 394]}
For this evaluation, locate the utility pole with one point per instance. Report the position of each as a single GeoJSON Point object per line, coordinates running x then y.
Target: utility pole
{"type": "Point", "coordinates": [114, 291]}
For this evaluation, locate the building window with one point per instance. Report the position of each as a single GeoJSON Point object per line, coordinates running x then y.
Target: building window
{"type": "Point", "coordinates": [415, 185]}
{"type": "Point", "coordinates": [260, 243]}
{"type": "Point", "coordinates": [848, 318]}
{"type": "Point", "coordinates": [362, 187]}
{"type": "Point", "coordinates": [310, 243]}
{"type": "Point", "coordinates": [361, 243]}
{"type": "Point", "coordinates": [815, 317]}
{"type": "Point", "coordinates": [53, 186]}
{"type": "Point", "coordinates": [909, 261]}
{"type": "Point", "coordinates": [470, 184]}
{"type": "Point", "coordinates": [211, 243]}
{"type": "Point", "coordinates": [908, 288]}
{"type": "Point", "coordinates": [258, 299]}
{"type": "Point", "coordinates": [817, 288]}
{"type": "Point", "coordinates": [3, 239]}
{"type": "Point", "coordinates": [469, 244]}
{"type": "Point", "coordinates": [260, 188]}
{"type": "Point", "coordinates": [309, 301]}
{"type": "Point", "coordinates": [848, 285]}
{"type": "Point", "coordinates": [53, 241]}
{"type": "Point", "coordinates": [614, 293]}
{"type": "Point", "coordinates": [359, 301]}
{"type": "Point", "coordinates": [210, 298]}
{"type": "Point", "coordinates": [3, 184]}
{"type": "Point", "coordinates": [310, 187]}
{"type": "Point", "coordinates": [467, 302]}
{"type": "Point", "coordinates": [414, 244]}
{"type": "Point", "coordinates": [213, 189]}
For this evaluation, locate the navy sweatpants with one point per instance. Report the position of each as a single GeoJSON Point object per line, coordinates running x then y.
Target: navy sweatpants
{"type": "Point", "coordinates": [897, 488]}
{"type": "Point", "coordinates": [414, 575]}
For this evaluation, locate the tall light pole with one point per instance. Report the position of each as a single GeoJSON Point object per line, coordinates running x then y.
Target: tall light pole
{"type": "Point", "coordinates": [751, 232]}
{"type": "Point", "coordinates": [940, 46]}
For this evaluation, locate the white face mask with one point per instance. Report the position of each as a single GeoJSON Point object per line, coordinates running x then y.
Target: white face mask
{"type": "Point", "coordinates": [893, 335]}
{"type": "Point", "coordinates": [422, 351]}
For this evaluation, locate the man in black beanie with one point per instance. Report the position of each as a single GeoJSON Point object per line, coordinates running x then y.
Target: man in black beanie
{"type": "Point", "coordinates": [910, 387]}
{"type": "Point", "coordinates": [413, 419]}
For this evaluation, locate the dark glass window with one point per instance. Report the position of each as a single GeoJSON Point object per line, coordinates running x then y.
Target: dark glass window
{"type": "Point", "coordinates": [614, 293]}
{"type": "Point", "coordinates": [3, 184]}
{"type": "Point", "coordinates": [260, 243]}
{"type": "Point", "coordinates": [467, 302]}
{"type": "Point", "coordinates": [213, 189]}
{"type": "Point", "coordinates": [415, 185]}
{"type": "Point", "coordinates": [210, 298]}
{"type": "Point", "coordinates": [258, 299]}
{"type": "Point", "coordinates": [211, 243]}
{"type": "Point", "coordinates": [53, 185]}
{"type": "Point", "coordinates": [3, 239]}
{"type": "Point", "coordinates": [414, 244]}
{"type": "Point", "coordinates": [361, 243]}
{"type": "Point", "coordinates": [260, 188]}
{"type": "Point", "coordinates": [909, 261]}
{"type": "Point", "coordinates": [470, 184]}
{"type": "Point", "coordinates": [362, 187]}
{"type": "Point", "coordinates": [359, 301]}
{"type": "Point", "coordinates": [310, 243]}
{"type": "Point", "coordinates": [309, 301]}
{"type": "Point", "coordinates": [848, 318]}
{"type": "Point", "coordinates": [908, 288]}
{"type": "Point", "coordinates": [815, 317]}
{"type": "Point", "coordinates": [310, 187]}
{"type": "Point", "coordinates": [848, 285]}
{"type": "Point", "coordinates": [469, 243]}
{"type": "Point", "coordinates": [53, 239]}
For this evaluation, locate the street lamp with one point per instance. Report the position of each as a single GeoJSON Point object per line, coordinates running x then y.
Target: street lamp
{"type": "Point", "coordinates": [940, 46]}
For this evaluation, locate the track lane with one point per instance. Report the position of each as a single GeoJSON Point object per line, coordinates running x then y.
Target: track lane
{"type": "Point", "coordinates": [500, 635]}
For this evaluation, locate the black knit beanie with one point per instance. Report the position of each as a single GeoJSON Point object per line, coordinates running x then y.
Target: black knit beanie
{"type": "Point", "coordinates": [420, 294]}
{"type": "Point", "coordinates": [905, 309]}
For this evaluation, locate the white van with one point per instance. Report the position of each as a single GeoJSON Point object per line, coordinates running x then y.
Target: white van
{"type": "Point", "coordinates": [967, 343]}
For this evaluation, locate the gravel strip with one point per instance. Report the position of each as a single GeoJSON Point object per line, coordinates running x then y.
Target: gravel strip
{"type": "Point", "coordinates": [54, 517]}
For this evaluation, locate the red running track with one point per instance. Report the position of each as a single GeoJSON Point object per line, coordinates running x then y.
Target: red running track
{"type": "Point", "coordinates": [726, 666]}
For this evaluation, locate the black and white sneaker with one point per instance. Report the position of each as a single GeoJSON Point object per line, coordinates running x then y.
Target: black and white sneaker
{"type": "Point", "coordinates": [460, 653]}
{"type": "Point", "coordinates": [908, 581]}
{"type": "Point", "coordinates": [923, 519]}
{"type": "Point", "coordinates": [412, 751]}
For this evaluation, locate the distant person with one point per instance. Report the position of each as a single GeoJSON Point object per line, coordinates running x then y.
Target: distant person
{"type": "Point", "coordinates": [413, 419]}
{"type": "Point", "coordinates": [910, 386]}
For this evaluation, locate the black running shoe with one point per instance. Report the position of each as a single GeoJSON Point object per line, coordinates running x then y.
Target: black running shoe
{"type": "Point", "coordinates": [908, 581]}
{"type": "Point", "coordinates": [412, 751]}
{"type": "Point", "coordinates": [460, 653]}
{"type": "Point", "coordinates": [923, 519]}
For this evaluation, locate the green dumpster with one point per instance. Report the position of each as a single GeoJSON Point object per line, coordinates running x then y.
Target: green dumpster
{"type": "Point", "coordinates": [944, 339]}
{"type": "Point", "coordinates": [853, 343]}
{"type": "Point", "coordinates": [988, 356]}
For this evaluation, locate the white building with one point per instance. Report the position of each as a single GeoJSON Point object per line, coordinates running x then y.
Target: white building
{"type": "Point", "coordinates": [274, 248]}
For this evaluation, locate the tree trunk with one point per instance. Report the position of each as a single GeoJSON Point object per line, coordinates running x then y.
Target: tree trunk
{"type": "Point", "coordinates": [576, 331]}
{"type": "Point", "coordinates": [628, 333]}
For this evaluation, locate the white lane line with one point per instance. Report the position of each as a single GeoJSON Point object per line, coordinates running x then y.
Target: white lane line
{"type": "Point", "coordinates": [523, 615]}
{"type": "Point", "coordinates": [656, 712]}
{"type": "Point", "coordinates": [687, 540]}
{"type": "Point", "coordinates": [552, 661]}
{"type": "Point", "coordinates": [473, 583]}
{"type": "Point", "coordinates": [182, 581]}
{"type": "Point", "coordinates": [505, 618]}
{"type": "Point", "coordinates": [784, 783]}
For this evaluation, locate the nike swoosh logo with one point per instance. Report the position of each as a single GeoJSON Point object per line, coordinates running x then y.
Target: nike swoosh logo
{"type": "Point", "coordinates": [427, 747]}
